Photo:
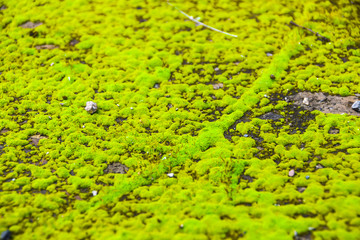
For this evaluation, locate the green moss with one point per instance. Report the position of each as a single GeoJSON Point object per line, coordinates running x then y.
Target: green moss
{"type": "Point", "coordinates": [226, 184]}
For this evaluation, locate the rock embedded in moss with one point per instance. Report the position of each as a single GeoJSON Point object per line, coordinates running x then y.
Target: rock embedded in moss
{"type": "Point", "coordinates": [356, 106]}
{"type": "Point", "coordinates": [91, 107]}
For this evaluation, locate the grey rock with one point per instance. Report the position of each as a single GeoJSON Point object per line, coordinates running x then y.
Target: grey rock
{"type": "Point", "coordinates": [5, 235]}
{"type": "Point", "coordinates": [356, 106]}
{"type": "Point", "coordinates": [91, 107]}
{"type": "Point", "coordinates": [271, 116]}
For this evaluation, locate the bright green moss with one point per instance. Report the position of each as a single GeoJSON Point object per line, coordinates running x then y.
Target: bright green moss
{"type": "Point", "coordinates": [225, 184]}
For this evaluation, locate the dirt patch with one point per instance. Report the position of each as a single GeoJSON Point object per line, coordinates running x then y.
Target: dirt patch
{"type": "Point", "coordinates": [30, 24]}
{"type": "Point", "coordinates": [46, 46]}
{"type": "Point", "coordinates": [74, 42]}
{"type": "Point", "coordinates": [35, 139]}
{"type": "Point", "coordinates": [326, 104]}
{"type": "Point", "coordinates": [4, 130]}
{"type": "Point", "coordinates": [116, 168]}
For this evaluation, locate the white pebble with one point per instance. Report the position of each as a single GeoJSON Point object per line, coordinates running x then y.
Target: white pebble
{"type": "Point", "coordinates": [291, 173]}
{"type": "Point", "coordinates": [170, 175]}
{"type": "Point", "coordinates": [306, 101]}
{"type": "Point", "coordinates": [94, 193]}
{"type": "Point", "coordinates": [91, 107]}
{"type": "Point", "coordinates": [52, 64]}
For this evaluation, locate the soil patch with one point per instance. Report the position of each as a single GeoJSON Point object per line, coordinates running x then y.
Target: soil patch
{"type": "Point", "coordinates": [46, 46]}
{"type": "Point", "coordinates": [326, 104]}
{"type": "Point", "coordinates": [116, 168]}
{"type": "Point", "coordinates": [30, 24]}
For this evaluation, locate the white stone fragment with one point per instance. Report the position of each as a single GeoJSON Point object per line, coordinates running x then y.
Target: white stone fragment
{"type": "Point", "coordinates": [306, 101]}
{"type": "Point", "coordinates": [94, 193]}
{"type": "Point", "coordinates": [52, 64]}
{"type": "Point", "coordinates": [91, 107]}
{"type": "Point", "coordinates": [170, 175]}
{"type": "Point", "coordinates": [291, 173]}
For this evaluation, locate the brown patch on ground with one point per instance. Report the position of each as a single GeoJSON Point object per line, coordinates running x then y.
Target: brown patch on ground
{"type": "Point", "coordinates": [4, 130]}
{"type": "Point", "coordinates": [77, 197]}
{"type": "Point", "coordinates": [35, 139]}
{"type": "Point", "coordinates": [30, 24]}
{"type": "Point", "coordinates": [216, 86]}
{"type": "Point", "coordinates": [326, 104]}
{"type": "Point", "coordinates": [116, 168]}
{"type": "Point", "coordinates": [46, 46]}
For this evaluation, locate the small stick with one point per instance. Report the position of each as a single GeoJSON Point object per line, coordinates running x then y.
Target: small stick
{"type": "Point", "coordinates": [308, 29]}
{"type": "Point", "coordinates": [200, 23]}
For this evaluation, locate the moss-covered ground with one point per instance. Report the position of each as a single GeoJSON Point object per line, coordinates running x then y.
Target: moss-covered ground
{"type": "Point", "coordinates": [194, 137]}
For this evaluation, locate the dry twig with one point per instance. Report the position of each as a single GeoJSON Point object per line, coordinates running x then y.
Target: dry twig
{"type": "Point", "coordinates": [308, 29]}
{"type": "Point", "coordinates": [200, 23]}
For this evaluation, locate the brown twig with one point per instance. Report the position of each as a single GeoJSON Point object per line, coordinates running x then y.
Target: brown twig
{"type": "Point", "coordinates": [313, 32]}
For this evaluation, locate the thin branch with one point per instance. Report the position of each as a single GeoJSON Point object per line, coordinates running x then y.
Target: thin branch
{"type": "Point", "coordinates": [308, 29]}
{"type": "Point", "coordinates": [200, 23]}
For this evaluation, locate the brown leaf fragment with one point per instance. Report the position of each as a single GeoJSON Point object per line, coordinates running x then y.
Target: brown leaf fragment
{"type": "Point", "coordinates": [35, 139]}
{"type": "Point", "coordinates": [30, 24]}
{"type": "Point", "coordinates": [46, 46]}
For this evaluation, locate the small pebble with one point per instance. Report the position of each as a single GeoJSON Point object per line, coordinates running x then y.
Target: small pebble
{"type": "Point", "coordinates": [356, 106]}
{"type": "Point", "coordinates": [181, 226]}
{"type": "Point", "coordinates": [91, 107]}
{"type": "Point", "coordinates": [52, 64]}
{"type": "Point", "coordinates": [131, 108]}
{"type": "Point", "coordinates": [170, 175]}
{"type": "Point", "coordinates": [306, 101]}
{"type": "Point", "coordinates": [5, 235]}
{"type": "Point", "coordinates": [272, 76]}
{"type": "Point", "coordinates": [268, 54]}
{"type": "Point", "coordinates": [319, 166]}
{"type": "Point", "coordinates": [245, 135]}
{"type": "Point", "coordinates": [157, 85]}
{"type": "Point", "coordinates": [291, 173]}
{"type": "Point", "coordinates": [307, 177]}
{"type": "Point", "coordinates": [94, 193]}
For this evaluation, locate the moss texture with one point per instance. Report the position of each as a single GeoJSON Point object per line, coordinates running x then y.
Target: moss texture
{"type": "Point", "coordinates": [177, 98]}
